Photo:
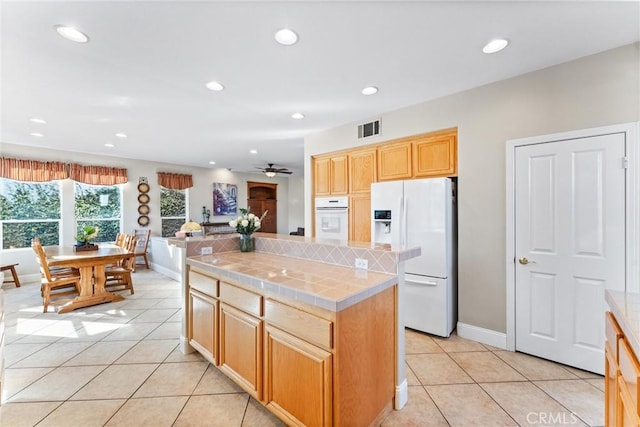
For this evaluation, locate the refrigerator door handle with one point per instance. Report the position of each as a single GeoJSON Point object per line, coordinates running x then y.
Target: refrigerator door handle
{"type": "Point", "coordinates": [405, 233]}
{"type": "Point", "coordinates": [423, 282]}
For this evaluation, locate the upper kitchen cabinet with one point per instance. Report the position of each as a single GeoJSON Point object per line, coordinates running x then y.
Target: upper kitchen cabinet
{"type": "Point", "coordinates": [435, 154]}
{"type": "Point", "coordinates": [330, 175]}
{"type": "Point", "coordinates": [394, 161]}
{"type": "Point", "coordinates": [362, 170]}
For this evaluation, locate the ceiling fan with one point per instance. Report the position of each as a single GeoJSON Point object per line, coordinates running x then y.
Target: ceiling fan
{"type": "Point", "coordinates": [270, 171]}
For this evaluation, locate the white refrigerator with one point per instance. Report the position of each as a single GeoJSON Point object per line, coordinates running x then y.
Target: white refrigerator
{"type": "Point", "coordinates": [422, 212]}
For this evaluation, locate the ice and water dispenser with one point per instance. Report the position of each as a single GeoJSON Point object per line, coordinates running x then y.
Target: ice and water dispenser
{"type": "Point", "coordinates": [382, 226]}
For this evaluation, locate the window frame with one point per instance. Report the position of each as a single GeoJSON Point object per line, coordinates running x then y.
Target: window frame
{"type": "Point", "coordinates": [120, 219]}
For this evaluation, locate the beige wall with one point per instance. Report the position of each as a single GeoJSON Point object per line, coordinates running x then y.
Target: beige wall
{"type": "Point", "coordinates": [598, 90]}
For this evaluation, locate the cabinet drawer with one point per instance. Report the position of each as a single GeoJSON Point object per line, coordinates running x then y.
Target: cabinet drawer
{"type": "Point", "coordinates": [304, 325]}
{"type": "Point", "coordinates": [629, 370]}
{"type": "Point", "coordinates": [613, 333]}
{"type": "Point", "coordinates": [239, 298]}
{"type": "Point", "coordinates": [204, 283]}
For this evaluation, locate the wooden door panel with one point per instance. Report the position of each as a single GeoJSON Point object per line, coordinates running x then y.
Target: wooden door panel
{"type": "Point", "coordinates": [339, 175]}
{"type": "Point", "coordinates": [298, 384]}
{"type": "Point", "coordinates": [435, 157]}
{"type": "Point", "coordinates": [394, 162]}
{"type": "Point", "coordinates": [360, 218]}
{"type": "Point", "coordinates": [241, 348]}
{"type": "Point", "coordinates": [362, 171]}
{"type": "Point", "coordinates": [322, 176]}
{"type": "Point", "coordinates": [202, 325]}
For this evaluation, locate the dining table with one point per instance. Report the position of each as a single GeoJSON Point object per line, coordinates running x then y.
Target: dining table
{"type": "Point", "coordinates": [91, 265]}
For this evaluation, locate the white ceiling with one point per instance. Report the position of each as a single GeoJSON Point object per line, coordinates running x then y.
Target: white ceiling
{"type": "Point", "coordinates": [145, 68]}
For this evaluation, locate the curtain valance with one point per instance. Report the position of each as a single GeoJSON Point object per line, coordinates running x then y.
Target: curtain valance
{"type": "Point", "coordinates": [175, 181]}
{"type": "Point", "coordinates": [32, 170]}
{"type": "Point", "coordinates": [97, 175]}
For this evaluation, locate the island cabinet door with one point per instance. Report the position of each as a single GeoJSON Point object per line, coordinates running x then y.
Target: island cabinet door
{"type": "Point", "coordinates": [241, 349]}
{"type": "Point", "coordinates": [203, 315]}
{"type": "Point", "coordinates": [298, 380]}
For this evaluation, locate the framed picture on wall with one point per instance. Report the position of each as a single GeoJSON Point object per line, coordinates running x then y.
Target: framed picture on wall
{"type": "Point", "coordinates": [225, 199]}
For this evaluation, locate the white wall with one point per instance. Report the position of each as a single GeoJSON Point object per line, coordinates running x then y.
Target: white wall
{"type": "Point", "coordinates": [597, 90]}
{"type": "Point", "coordinates": [201, 194]}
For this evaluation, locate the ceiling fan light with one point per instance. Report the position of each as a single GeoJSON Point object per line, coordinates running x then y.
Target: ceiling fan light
{"type": "Point", "coordinates": [270, 174]}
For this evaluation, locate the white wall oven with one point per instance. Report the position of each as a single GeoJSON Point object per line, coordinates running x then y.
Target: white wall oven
{"type": "Point", "coordinates": [332, 218]}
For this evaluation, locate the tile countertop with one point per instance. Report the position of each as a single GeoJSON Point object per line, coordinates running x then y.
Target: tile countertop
{"type": "Point", "coordinates": [331, 287]}
{"type": "Point", "coordinates": [625, 307]}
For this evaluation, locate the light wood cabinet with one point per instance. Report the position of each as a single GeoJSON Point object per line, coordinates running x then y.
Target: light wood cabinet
{"type": "Point", "coordinates": [362, 170]}
{"type": "Point", "coordinates": [330, 175]}
{"type": "Point", "coordinates": [307, 365]}
{"type": "Point", "coordinates": [435, 155]}
{"type": "Point", "coordinates": [394, 161]}
{"type": "Point", "coordinates": [241, 348]}
{"type": "Point", "coordinates": [298, 384]}
{"type": "Point", "coordinates": [360, 217]}
{"type": "Point", "coordinates": [339, 175]}
{"type": "Point", "coordinates": [322, 176]}
{"type": "Point", "coordinates": [622, 378]}
{"type": "Point", "coordinates": [203, 315]}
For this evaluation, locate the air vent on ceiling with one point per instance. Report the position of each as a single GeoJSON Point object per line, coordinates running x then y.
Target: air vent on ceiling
{"type": "Point", "coordinates": [369, 129]}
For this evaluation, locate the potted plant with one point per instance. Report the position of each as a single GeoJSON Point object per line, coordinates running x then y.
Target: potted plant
{"type": "Point", "coordinates": [85, 236]}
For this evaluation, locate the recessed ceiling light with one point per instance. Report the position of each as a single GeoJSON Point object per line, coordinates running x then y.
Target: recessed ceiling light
{"type": "Point", "coordinates": [212, 162]}
{"type": "Point", "coordinates": [109, 145]}
{"type": "Point", "coordinates": [215, 86]}
{"type": "Point", "coordinates": [72, 34]}
{"type": "Point", "coordinates": [121, 135]}
{"type": "Point", "coordinates": [36, 120]}
{"type": "Point", "coordinates": [286, 37]}
{"type": "Point", "coordinates": [253, 151]}
{"type": "Point", "coordinates": [370, 90]}
{"type": "Point", "coordinates": [297, 116]}
{"type": "Point", "coordinates": [495, 46]}
{"type": "Point", "coordinates": [38, 134]}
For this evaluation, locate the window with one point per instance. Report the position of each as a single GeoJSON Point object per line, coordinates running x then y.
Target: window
{"type": "Point", "coordinates": [27, 210]}
{"type": "Point", "coordinates": [99, 206]}
{"type": "Point", "coordinates": [173, 210]}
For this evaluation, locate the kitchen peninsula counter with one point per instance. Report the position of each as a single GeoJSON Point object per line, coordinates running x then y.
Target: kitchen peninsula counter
{"type": "Point", "coordinates": [331, 287]}
{"type": "Point", "coordinates": [313, 339]}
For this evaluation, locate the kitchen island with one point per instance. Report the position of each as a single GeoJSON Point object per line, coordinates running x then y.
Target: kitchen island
{"type": "Point", "coordinates": [317, 343]}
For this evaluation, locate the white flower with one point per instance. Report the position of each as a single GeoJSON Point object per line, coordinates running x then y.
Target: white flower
{"type": "Point", "coordinates": [244, 223]}
{"type": "Point", "coordinates": [233, 223]}
{"type": "Point", "coordinates": [251, 216]}
{"type": "Point", "coordinates": [257, 224]}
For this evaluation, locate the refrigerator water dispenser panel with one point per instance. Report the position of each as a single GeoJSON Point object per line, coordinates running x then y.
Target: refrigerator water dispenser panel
{"type": "Point", "coordinates": [382, 215]}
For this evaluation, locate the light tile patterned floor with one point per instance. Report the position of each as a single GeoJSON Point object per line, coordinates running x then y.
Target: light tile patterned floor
{"type": "Point", "coordinates": [118, 365]}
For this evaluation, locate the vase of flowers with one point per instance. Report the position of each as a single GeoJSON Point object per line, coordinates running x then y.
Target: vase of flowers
{"type": "Point", "coordinates": [246, 224]}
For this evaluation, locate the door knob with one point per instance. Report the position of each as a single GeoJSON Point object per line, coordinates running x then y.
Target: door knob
{"type": "Point", "coordinates": [525, 261]}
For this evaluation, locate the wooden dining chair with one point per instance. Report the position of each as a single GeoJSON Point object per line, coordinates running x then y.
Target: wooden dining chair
{"type": "Point", "coordinates": [119, 239]}
{"type": "Point", "coordinates": [64, 282]}
{"type": "Point", "coordinates": [141, 247]}
{"type": "Point", "coordinates": [118, 277]}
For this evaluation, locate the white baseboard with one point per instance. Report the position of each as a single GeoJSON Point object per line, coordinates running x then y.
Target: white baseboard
{"type": "Point", "coordinates": [485, 336]}
{"type": "Point", "coordinates": [164, 270]}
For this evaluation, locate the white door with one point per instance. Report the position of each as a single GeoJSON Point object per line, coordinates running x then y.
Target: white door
{"type": "Point", "coordinates": [569, 245]}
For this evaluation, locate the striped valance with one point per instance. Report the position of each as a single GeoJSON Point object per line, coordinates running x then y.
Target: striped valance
{"type": "Point", "coordinates": [32, 170]}
{"type": "Point", "coordinates": [39, 171]}
{"type": "Point", "coordinates": [175, 181]}
{"type": "Point", "coordinates": [97, 175]}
